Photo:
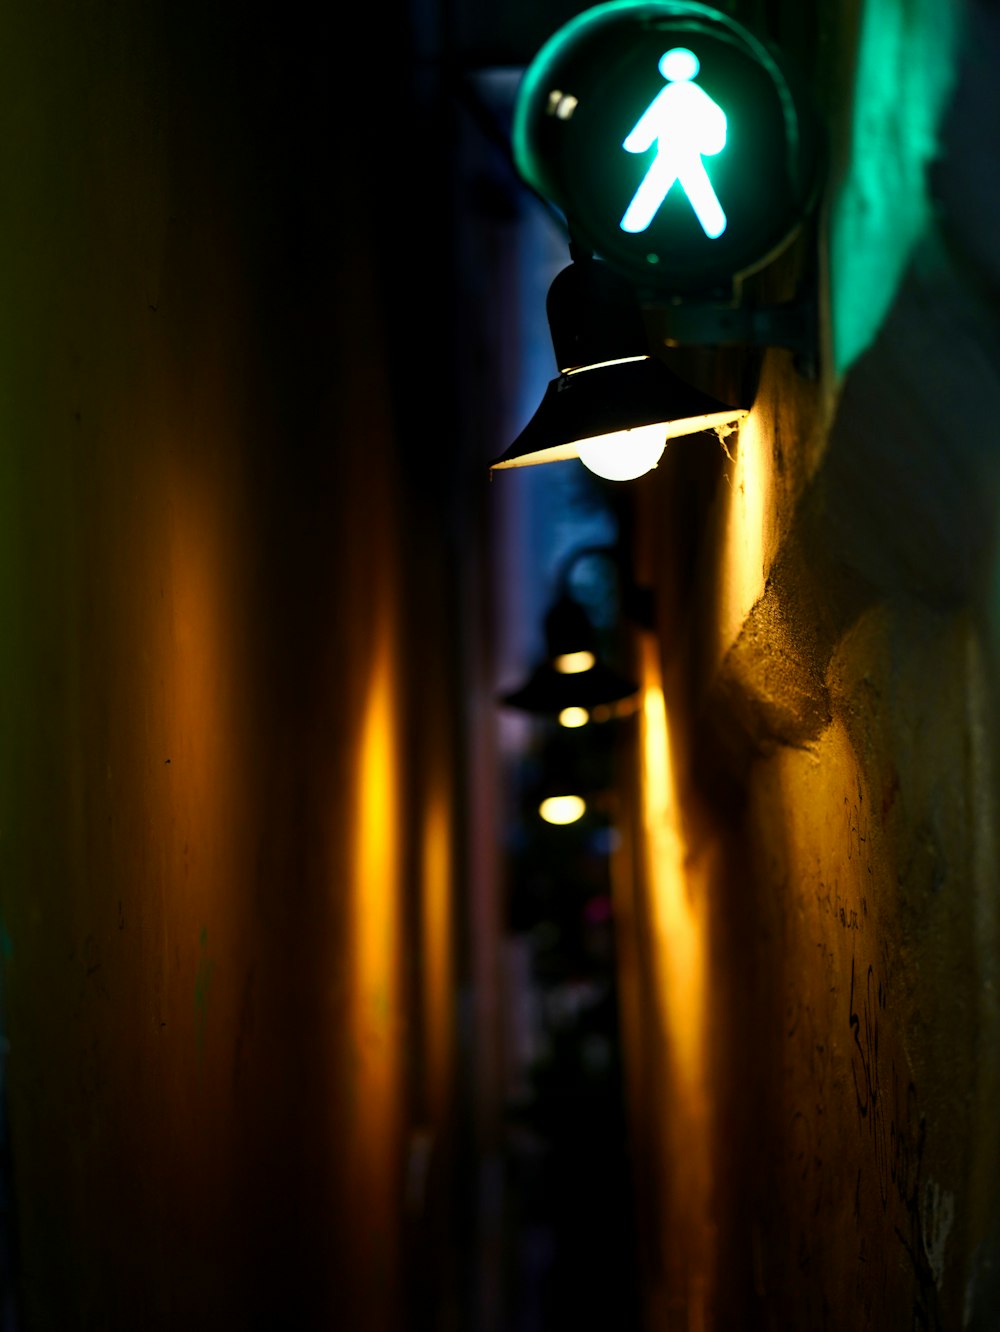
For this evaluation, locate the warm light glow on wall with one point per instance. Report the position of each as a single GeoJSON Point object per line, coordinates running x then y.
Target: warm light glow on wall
{"type": "Point", "coordinates": [199, 694]}
{"type": "Point", "coordinates": [436, 911]}
{"type": "Point", "coordinates": [677, 929]}
{"type": "Point", "coordinates": [746, 539]}
{"type": "Point", "coordinates": [676, 924]}
{"type": "Point", "coordinates": [375, 930]}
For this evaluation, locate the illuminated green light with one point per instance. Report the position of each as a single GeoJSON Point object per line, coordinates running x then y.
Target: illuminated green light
{"type": "Point", "coordinates": [680, 146]}
{"type": "Point", "coordinates": [686, 125]}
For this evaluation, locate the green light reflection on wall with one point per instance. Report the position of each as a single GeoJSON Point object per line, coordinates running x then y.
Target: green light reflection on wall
{"type": "Point", "coordinates": [905, 69]}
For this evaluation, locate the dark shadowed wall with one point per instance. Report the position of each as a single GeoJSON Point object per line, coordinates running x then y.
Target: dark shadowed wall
{"type": "Point", "coordinates": [228, 660]}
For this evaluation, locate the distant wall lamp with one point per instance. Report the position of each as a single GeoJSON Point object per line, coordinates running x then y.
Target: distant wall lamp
{"type": "Point", "coordinates": [572, 683]}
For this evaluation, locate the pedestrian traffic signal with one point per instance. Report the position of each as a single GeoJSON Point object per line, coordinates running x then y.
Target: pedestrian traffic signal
{"type": "Point", "coordinates": [683, 125]}
{"type": "Point", "coordinates": [679, 146]}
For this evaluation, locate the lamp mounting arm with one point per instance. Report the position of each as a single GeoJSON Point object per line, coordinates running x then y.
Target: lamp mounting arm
{"type": "Point", "coordinates": [637, 603]}
{"type": "Point", "coordinates": [791, 325]}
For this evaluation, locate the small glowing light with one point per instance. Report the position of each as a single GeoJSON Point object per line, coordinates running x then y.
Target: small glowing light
{"type": "Point", "coordinates": [562, 105]}
{"type": "Point", "coordinates": [562, 809]}
{"type": "Point", "coordinates": [573, 717]}
{"type": "Point", "coordinates": [574, 663]}
{"type": "Point", "coordinates": [623, 455]}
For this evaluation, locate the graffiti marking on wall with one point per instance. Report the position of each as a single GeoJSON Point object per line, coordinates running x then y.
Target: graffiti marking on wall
{"type": "Point", "coordinates": [896, 1131]}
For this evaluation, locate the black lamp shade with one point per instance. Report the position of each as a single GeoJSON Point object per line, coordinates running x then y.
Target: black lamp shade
{"type": "Point", "coordinates": [599, 400]}
{"type": "Point", "coordinates": [547, 691]}
{"type": "Point", "coordinates": [608, 381]}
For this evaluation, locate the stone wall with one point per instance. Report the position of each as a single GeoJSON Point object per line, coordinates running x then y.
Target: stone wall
{"type": "Point", "coordinates": [810, 897]}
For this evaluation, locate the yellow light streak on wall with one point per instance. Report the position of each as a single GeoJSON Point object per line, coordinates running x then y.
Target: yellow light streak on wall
{"type": "Point", "coordinates": [374, 950]}
{"type": "Point", "coordinates": [200, 698]}
{"type": "Point", "coordinates": [436, 876]}
{"type": "Point", "coordinates": [745, 539]}
{"type": "Point", "coordinates": [677, 928]}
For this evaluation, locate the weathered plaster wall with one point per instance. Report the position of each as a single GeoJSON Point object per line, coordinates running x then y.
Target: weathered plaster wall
{"type": "Point", "coordinates": [227, 742]}
{"type": "Point", "coordinates": [812, 937]}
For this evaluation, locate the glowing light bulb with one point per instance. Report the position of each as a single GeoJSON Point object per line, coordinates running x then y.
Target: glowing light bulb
{"type": "Point", "coordinates": [562, 809]}
{"type": "Point", "coordinates": [624, 454]}
{"type": "Point", "coordinates": [573, 717]}
{"type": "Point", "coordinates": [574, 663]}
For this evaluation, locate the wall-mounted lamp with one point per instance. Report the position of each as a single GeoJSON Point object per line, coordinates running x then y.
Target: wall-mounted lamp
{"type": "Point", "coordinates": [686, 154]}
{"type": "Point", "coordinates": [572, 683]}
{"type": "Point", "coordinates": [614, 405]}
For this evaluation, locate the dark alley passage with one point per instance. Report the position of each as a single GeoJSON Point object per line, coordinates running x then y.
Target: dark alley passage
{"type": "Point", "coordinates": [445, 896]}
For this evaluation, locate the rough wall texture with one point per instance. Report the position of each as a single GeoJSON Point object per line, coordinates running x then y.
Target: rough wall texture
{"type": "Point", "coordinates": [814, 968]}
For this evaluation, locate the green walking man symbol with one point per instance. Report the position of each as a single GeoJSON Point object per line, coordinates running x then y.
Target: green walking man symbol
{"type": "Point", "coordinates": [686, 125]}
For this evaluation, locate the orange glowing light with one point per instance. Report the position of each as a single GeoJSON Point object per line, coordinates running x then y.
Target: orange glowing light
{"type": "Point", "coordinates": [680, 955]}
{"type": "Point", "coordinates": [376, 927]}
{"type": "Point", "coordinates": [749, 538]}
{"type": "Point", "coordinates": [436, 876]}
